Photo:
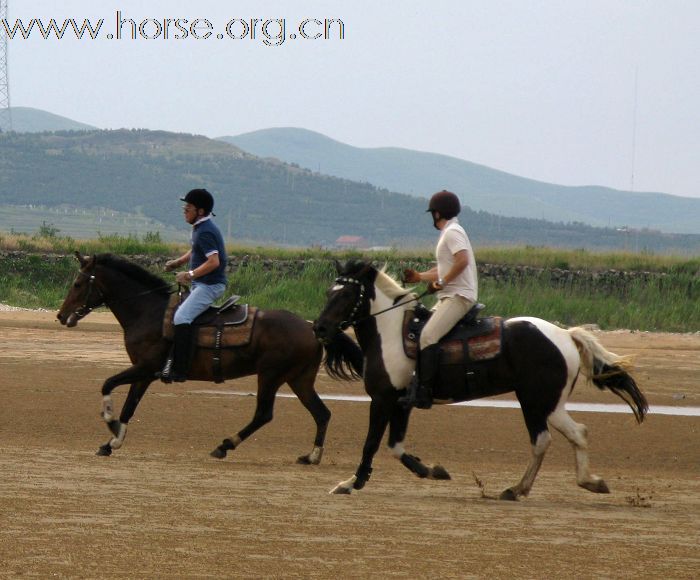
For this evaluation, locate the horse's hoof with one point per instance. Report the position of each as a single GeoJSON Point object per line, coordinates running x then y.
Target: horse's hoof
{"type": "Point", "coordinates": [104, 450]}
{"type": "Point", "coordinates": [508, 495]}
{"type": "Point", "coordinates": [340, 490]}
{"type": "Point", "coordinates": [218, 453]}
{"type": "Point", "coordinates": [439, 472]}
{"type": "Point", "coordinates": [598, 486]}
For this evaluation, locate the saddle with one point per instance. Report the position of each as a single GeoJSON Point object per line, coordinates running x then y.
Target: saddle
{"type": "Point", "coordinates": [477, 338]}
{"type": "Point", "coordinates": [462, 374]}
{"type": "Point", "coordinates": [228, 325]}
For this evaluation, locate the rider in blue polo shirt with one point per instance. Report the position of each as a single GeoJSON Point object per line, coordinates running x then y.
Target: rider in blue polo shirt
{"type": "Point", "coordinates": [206, 275]}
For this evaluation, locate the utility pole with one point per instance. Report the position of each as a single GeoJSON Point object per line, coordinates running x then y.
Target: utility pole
{"type": "Point", "coordinates": [5, 112]}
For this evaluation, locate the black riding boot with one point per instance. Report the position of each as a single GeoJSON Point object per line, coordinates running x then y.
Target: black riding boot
{"type": "Point", "coordinates": [177, 366]}
{"type": "Point", "coordinates": [420, 391]}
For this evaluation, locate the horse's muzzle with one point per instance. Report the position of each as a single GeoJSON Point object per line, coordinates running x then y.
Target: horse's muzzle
{"type": "Point", "coordinates": [69, 320]}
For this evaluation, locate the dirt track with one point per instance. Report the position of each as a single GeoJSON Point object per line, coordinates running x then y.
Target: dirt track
{"type": "Point", "coordinates": [160, 507]}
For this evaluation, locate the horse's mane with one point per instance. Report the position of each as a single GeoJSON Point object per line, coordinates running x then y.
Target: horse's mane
{"type": "Point", "coordinates": [132, 271]}
{"type": "Point", "coordinates": [389, 286]}
{"type": "Point", "coordinates": [383, 281]}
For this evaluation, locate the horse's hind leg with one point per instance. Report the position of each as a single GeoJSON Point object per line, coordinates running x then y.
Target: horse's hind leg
{"type": "Point", "coordinates": [268, 386]}
{"type": "Point", "coordinates": [540, 439]}
{"type": "Point", "coordinates": [303, 387]}
{"type": "Point", "coordinates": [576, 433]}
{"type": "Point", "coordinates": [398, 423]}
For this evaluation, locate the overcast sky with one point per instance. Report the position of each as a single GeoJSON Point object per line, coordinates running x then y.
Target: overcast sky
{"type": "Point", "coordinates": [543, 89]}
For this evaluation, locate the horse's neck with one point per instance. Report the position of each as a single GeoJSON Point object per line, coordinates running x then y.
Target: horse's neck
{"type": "Point", "coordinates": [386, 333]}
{"type": "Point", "coordinates": [133, 304]}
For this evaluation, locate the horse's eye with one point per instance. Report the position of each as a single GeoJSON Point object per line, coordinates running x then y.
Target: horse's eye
{"type": "Point", "coordinates": [76, 285]}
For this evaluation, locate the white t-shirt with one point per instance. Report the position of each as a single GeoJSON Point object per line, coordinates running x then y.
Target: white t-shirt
{"type": "Point", "coordinates": [454, 239]}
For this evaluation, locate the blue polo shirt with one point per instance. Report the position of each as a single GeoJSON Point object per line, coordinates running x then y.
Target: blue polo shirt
{"type": "Point", "coordinates": [207, 240]}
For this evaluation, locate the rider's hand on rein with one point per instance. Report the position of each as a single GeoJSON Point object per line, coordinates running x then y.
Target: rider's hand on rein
{"type": "Point", "coordinates": [411, 276]}
{"type": "Point", "coordinates": [183, 278]}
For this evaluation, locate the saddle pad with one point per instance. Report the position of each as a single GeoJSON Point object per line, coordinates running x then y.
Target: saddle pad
{"type": "Point", "coordinates": [478, 348]}
{"type": "Point", "coordinates": [236, 330]}
{"type": "Point", "coordinates": [231, 335]}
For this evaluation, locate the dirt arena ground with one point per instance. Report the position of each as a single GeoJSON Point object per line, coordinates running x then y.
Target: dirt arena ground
{"type": "Point", "coordinates": [161, 507]}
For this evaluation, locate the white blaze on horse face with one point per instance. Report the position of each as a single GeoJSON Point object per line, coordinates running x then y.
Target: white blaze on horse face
{"type": "Point", "coordinates": [389, 327]}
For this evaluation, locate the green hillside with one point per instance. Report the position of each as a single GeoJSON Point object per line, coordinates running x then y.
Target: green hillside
{"type": "Point", "coordinates": [145, 172]}
{"type": "Point", "coordinates": [28, 120]}
{"type": "Point", "coordinates": [480, 187]}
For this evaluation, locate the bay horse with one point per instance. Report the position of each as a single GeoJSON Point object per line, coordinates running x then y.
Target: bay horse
{"type": "Point", "coordinates": [541, 362]}
{"type": "Point", "coordinates": [282, 349]}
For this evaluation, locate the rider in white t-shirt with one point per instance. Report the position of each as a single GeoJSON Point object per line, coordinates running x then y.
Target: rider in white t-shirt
{"type": "Point", "coordinates": [455, 281]}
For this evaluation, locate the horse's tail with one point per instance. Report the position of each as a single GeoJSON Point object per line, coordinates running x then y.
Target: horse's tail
{"type": "Point", "coordinates": [344, 359]}
{"type": "Point", "coordinates": [609, 371]}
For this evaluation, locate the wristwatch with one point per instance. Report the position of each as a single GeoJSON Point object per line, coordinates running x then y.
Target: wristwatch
{"type": "Point", "coordinates": [191, 273]}
{"type": "Point", "coordinates": [441, 282]}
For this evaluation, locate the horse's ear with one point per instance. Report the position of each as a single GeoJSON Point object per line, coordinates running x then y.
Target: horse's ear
{"type": "Point", "coordinates": [84, 260]}
{"type": "Point", "coordinates": [338, 267]}
{"type": "Point", "coordinates": [365, 269]}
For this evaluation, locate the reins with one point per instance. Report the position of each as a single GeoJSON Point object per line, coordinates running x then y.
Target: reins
{"type": "Point", "coordinates": [84, 310]}
{"type": "Point", "coordinates": [352, 321]}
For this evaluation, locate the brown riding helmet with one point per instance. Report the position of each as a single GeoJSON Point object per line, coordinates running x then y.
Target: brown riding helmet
{"type": "Point", "coordinates": [446, 203]}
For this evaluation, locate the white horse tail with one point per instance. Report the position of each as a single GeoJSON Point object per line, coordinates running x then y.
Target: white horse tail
{"type": "Point", "coordinates": [609, 371]}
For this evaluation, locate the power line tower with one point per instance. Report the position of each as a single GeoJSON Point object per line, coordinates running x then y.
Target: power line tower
{"type": "Point", "coordinates": [5, 112]}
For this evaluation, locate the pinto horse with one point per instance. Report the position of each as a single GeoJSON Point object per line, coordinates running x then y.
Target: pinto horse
{"type": "Point", "coordinates": [541, 362]}
{"type": "Point", "coordinates": [282, 349]}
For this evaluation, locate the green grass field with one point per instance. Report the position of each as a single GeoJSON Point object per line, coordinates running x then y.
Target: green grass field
{"type": "Point", "coordinates": [667, 302]}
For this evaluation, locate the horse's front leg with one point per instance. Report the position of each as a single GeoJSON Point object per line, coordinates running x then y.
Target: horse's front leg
{"type": "Point", "coordinates": [379, 413]}
{"type": "Point", "coordinates": [117, 427]}
{"type": "Point", "coordinates": [397, 434]}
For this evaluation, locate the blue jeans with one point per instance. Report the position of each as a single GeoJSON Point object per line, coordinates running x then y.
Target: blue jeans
{"type": "Point", "coordinates": [201, 297]}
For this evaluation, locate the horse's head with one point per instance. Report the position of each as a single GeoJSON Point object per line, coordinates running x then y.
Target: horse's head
{"type": "Point", "coordinates": [83, 296]}
{"type": "Point", "coordinates": [348, 299]}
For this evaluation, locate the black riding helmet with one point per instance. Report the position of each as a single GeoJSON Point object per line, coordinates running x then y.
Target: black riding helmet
{"type": "Point", "coordinates": [201, 199]}
{"type": "Point", "coordinates": [446, 203]}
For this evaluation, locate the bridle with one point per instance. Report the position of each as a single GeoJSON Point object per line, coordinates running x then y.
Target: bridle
{"type": "Point", "coordinates": [84, 310]}
{"type": "Point", "coordinates": [351, 320]}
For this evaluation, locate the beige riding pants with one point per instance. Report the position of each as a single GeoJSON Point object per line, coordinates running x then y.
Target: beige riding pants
{"type": "Point", "coordinates": [445, 315]}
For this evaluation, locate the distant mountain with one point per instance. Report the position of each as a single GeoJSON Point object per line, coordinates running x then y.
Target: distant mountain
{"type": "Point", "coordinates": [262, 200]}
{"type": "Point", "coordinates": [28, 120]}
{"type": "Point", "coordinates": [479, 187]}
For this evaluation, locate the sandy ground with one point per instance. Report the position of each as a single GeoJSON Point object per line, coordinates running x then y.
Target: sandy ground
{"type": "Point", "coordinates": [161, 507]}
